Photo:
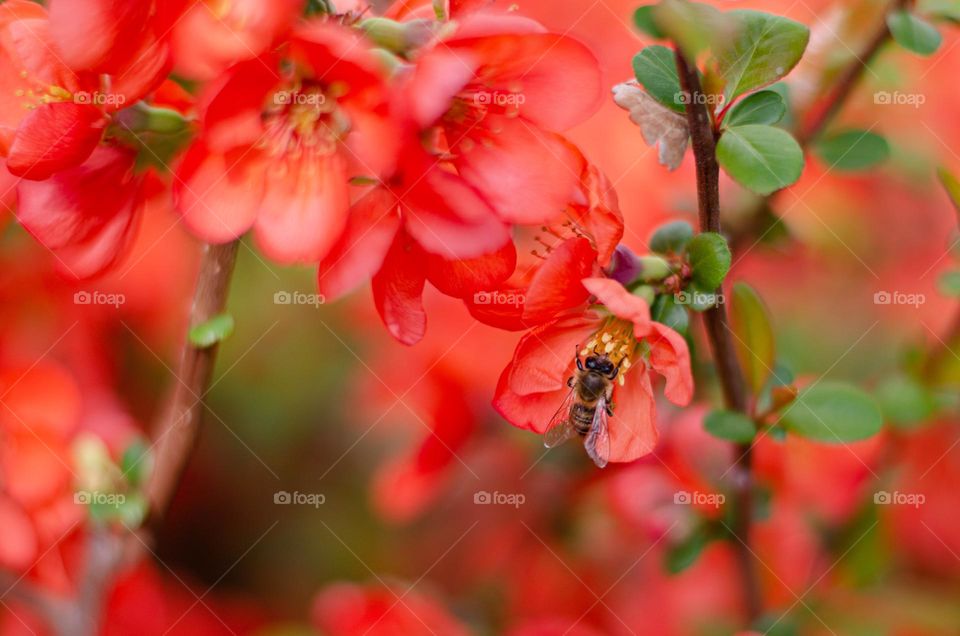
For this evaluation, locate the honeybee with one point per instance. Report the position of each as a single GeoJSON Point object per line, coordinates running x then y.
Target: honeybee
{"type": "Point", "coordinates": [585, 410]}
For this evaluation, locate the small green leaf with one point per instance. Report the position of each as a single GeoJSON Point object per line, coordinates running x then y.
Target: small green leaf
{"type": "Point", "coordinates": [764, 107]}
{"type": "Point", "coordinates": [666, 310]}
{"type": "Point", "coordinates": [709, 258]}
{"type": "Point", "coordinates": [671, 238]}
{"type": "Point", "coordinates": [209, 333]}
{"type": "Point", "coordinates": [731, 426]}
{"type": "Point", "coordinates": [656, 68]}
{"type": "Point", "coordinates": [756, 346]}
{"type": "Point", "coordinates": [760, 158]}
{"type": "Point", "coordinates": [833, 412]}
{"type": "Point", "coordinates": [135, 463]}
{"type": "Point", "coordinates": [913, 33]}
{"type": "Point", "coordinates": [949, 283]}
{"type": "Point", "coordinates": [643, 20]}
{"type": "Point", "coordinates": [952, 185]}
{"type": "Point", "coordinates": [684, 554]}
{"type": "Point", "coordinates": [692, 25]}
{"type": "Point", "coordinates": [905, 401]}
{"type": "Point", "coordinates": [765, 48]}
{"type": "Point", "coordinates": [853, 150]}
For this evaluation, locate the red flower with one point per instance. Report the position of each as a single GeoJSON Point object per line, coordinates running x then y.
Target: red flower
{"type": "Point", "coordinates": [534, 385]}
{"type": "Point", "coordinates": [552, 259]}
{"type": "Point", "coordinates": [492, 95]}
{"type": "Point", "coordinates": [281, 137]}
{"type": "Point", "coordinates": [67, 74]}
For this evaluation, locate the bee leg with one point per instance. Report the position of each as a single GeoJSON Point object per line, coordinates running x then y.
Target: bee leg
{"type": "Point", "coordinates": [570, 380]}
{"type": "Point", "coordinates": [579, 363]}
{"type": "Point", "coordinates": [609, 409]}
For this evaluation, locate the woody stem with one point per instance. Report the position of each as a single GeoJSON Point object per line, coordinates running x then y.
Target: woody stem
{"type": "Point", "coordinates": [718, 333]}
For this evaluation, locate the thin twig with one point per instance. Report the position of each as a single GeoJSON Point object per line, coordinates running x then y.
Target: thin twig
{"type": "Point", "coordinates": [715, 320]}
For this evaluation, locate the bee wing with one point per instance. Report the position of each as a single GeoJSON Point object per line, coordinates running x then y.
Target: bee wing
{"type": "Point", "coordinates": [597, 443]}
{"type": "Point", "coordinates": [560, 429]}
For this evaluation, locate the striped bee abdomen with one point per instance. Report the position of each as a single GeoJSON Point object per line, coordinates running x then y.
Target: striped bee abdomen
{"type": "Point", "coordinates": [581, 416]}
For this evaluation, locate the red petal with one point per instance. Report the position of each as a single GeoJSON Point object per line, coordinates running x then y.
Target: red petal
{"type": "Point", "coordinates": [359, 254]}
{"type": "Point", "coordinates": [556, 284]}
{"type": "Point", "coordinates": [448, 218]}
{"type": "Point", "coordinates": [398, 291]}
{"type": "Point", "coordinates": [143, 71]}
{"type": "Point", "coordinates": [602, 220]}
{"type": "Point", "coordinates": [540, 66]}
{"type": "Point", "coordinates": [621, 303]}
{"type": "Point", "coordinates": [531, 412]}
{"type": "Point", "coordinates": [527, 175]}
{"type": "Point", "coordinates": [438, 76]}
{"type": "Point", "coordinates": [335, 53]}
{"type": "Point", "coordinates": [633, 427]}
{"type": "Point", "coordinates": [372, 143]}
{"type": "Point", "coordinates": [304, 209]}
{"type": "Point", "coordinates": [670, 357]}
{"type": "Point", "coordinates": [545, 355]}
{"type": "Point", "coordinates": [84, 214]}
{"type": "Point", "coordinates": [232, 109]}
{"type": "Point", "coordinates": [463, 277]}
{"type": "Point", "coordinates": [18, 550]}
{"type": "Point", "coordinates": [54, 137]}
{"type": "Point", "coordinates": [218, 195]}
{"type": "Point", "coordinates": [501, 308]}
{"type": "Point", "coordinates": [44, 399]}
{"type": "Point", "coordinates": [98, 35]}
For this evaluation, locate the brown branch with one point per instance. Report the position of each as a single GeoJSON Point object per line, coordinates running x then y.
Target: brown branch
{"type": "Point", "coordinates": [176, 434]}
{"type": "Point", "coordinates": [732, 381]}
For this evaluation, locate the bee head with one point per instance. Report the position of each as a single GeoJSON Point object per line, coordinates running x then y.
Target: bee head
{"type": "Point", "coordinates": [600, 365]}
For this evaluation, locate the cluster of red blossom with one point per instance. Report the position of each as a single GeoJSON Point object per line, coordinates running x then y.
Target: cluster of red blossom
{"type": "Point", "coordinates": [401, 149]}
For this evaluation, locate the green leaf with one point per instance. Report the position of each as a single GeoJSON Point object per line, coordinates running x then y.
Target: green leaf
{"type": "Point", "coordinates": [655, 68]}
{"type": "Point", "coordinates": [913, 33]}
{"type": "Point", "coordinates": [731, 426]}
{"type": "Point", "coordinates": [949, 283]}
{"type": "Point", "coordinates": [945, 9]}
{"type": "Point", "coordinates": [693, 26]}
{"type": "Point", "coordinates": [643, 19]}
{"type": "Point", "coordinates": [135, 462]}
{"type": "Point", "coordinates": [853, 150]}
{"type": "Point", "coordinates": [709, 258]}
{"type": "Point", "coordinates": [760, 158]}
{"type": "Point", "coordinates": [756, 346]}
{"type": "Point", "coordinates": [765, 48]}
{"type": "Point", "coordinates": [209, 333]}
{"type": "Point", "coordinates": [684, 554]}
{"type": "Point", "coordinates": [671, 238]}
{"type": "Point", "coordinates": [764, 107]}
{"type": "Point", "coordinates": [666, 310]}
{"type": "Point", "coordinates": [952, 185]}
{"type": "Point", "coordinates": [905, 401]}
{"type": "Point", "coordinates": [832, 412]}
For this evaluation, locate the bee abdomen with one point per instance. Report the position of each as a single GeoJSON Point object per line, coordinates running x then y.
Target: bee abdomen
{"type": "Point", "coordinates": [581, 416]}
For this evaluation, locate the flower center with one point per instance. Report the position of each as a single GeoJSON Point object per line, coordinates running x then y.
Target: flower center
{"type": "Point", "coordinates": [303, 118]}
{"type": "Point", "coordinates": [615, 341]}
{"type": "Point", "coordinates": [36, 94]}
